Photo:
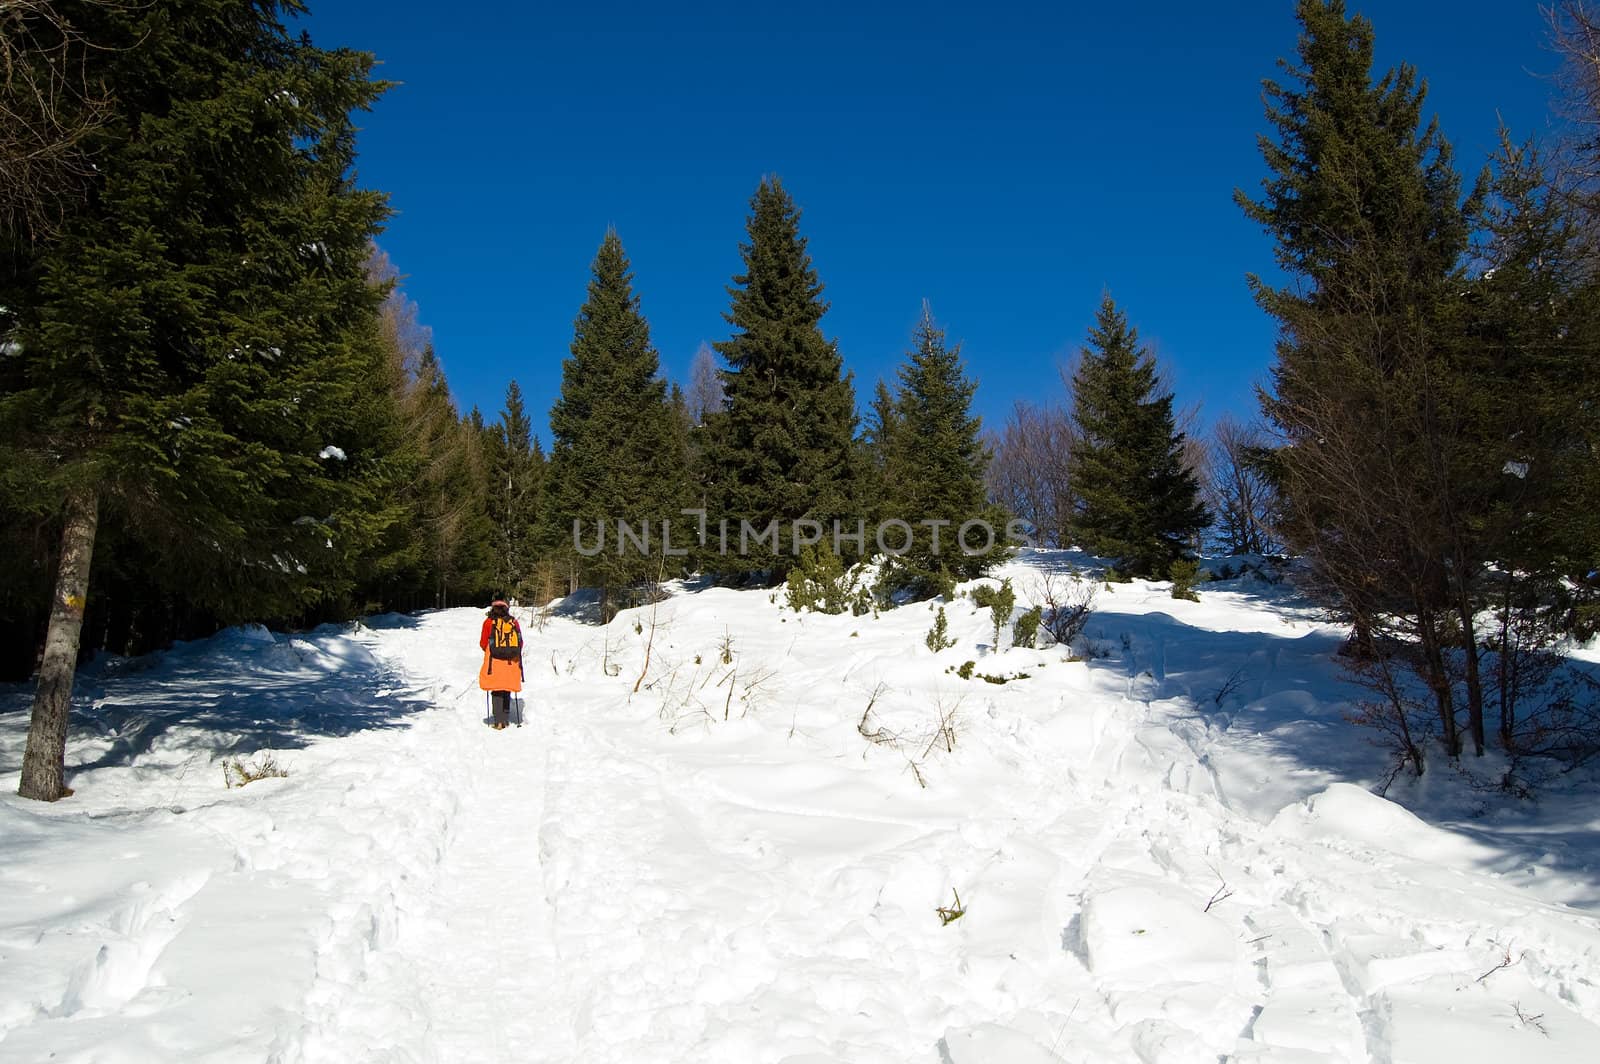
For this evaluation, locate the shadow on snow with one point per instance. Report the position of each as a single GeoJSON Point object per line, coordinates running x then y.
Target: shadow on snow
{"type": "Point", "coordinates": [1266, 714]}
{"type": "Point", "coordinates": [240, 691]}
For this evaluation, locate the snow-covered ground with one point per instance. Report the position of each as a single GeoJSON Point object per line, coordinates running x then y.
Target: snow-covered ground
{"type": "Point", "coordinates": [1168, 853]}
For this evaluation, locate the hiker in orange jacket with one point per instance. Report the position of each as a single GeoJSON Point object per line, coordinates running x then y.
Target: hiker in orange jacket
{"type": "Point", "coordinates": [501, 672]}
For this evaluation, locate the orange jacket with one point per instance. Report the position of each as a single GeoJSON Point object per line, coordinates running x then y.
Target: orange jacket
{"type": "Point", "coordinates": [499, 675]}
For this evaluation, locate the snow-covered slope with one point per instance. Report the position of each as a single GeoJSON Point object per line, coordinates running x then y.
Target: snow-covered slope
{"type": "Point", "coordinates": [1164, 854]}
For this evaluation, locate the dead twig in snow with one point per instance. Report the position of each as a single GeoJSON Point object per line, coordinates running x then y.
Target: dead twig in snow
{"type": "Point", "coordinates": [1234, 681]}
{"type": "Point", "coordinates": [1505, 962]}
{"type": "Point", "coordinates": [1530, 1020]}
{"type": "Point", "coordinates": [1221, 894]}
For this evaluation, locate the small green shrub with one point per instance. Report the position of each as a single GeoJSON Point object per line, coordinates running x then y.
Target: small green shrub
{"type": "Point", "coordinates": [1026, 631]}
{"type": "Point", "coordinates": [1184, 573]}
{"type": "Point", "coordinates": [1000, 602]}
{"type": "Point", "coordinates": [819, 583]}
{"type": "Point", "coordinates": [938, 637]}
{"type": "Point", "coordinates": [912, 583]}
{"type": "Point", "coordinates": [987, 678]}
{"type": "Point", "coordinates": [965, 672]}
{"type": "Point", "coordinates": [1116, 576]}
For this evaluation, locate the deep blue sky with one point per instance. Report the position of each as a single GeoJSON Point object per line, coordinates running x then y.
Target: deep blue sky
{"type": "Point", "coordinates": [1006, 161]}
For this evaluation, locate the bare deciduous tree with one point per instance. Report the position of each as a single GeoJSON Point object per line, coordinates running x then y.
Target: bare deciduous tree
{"type": "Point", "coordinates": [706, 395]}
{"type": "Point", "coordinates": [50, 104]}
{"type": "Point", "coordinates": [1238, 494]}
{"type": "Point", "coordinates": [1575, 34]}
{"type": "Point", "coordinates": [1030, 474]}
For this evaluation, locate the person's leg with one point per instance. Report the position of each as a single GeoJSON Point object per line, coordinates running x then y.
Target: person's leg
{"type": "Point", "coordinates": [502, 708]}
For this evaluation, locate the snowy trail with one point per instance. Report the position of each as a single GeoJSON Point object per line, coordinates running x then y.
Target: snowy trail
{"type": "Point", "coordinates": [721, 867]}
{"type": "Point", "coordinates": [477, 946]}
{"type": "Point", "coordinates": [709, 898]}
{"type": "Point", "coordinates": [487, 960]}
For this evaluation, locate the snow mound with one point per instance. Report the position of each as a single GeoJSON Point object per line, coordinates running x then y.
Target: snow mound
{"type": "Point", "coordinates": [1347, 813]}
{"type": "Point", "coordinates": [1137, 933]}
{"type": "Point", "coordinates": [988, 1043]}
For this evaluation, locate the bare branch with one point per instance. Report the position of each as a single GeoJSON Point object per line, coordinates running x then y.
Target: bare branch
{"type": "Point", "coordinates": [50, 105]}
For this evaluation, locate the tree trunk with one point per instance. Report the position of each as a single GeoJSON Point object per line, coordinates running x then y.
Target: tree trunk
{"type": "Point", "coordinates": [1438, 679]}
{"type": "Point", "coordinates": [44, 762]}
{"type": "Point", "coordinates": [1469, 647]}
{"type": "Point", "coordinates": [1508, 663]}
{"type": "Point", "coordinates": [1359, 645]}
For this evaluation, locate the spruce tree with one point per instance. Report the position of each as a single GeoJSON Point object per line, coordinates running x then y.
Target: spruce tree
{"type": "Point", "coordinates": [617, 455]}
{"type": "Point", "coordinates": [1524, 477]}
{"type": "Point", "coordinates": [1531, 363]}
{"type": "Point", "coordinates": [374, 531]}
{"type": "Point", "coordinates": [1140, 504]}
{"type": "Point", "coordinates": [451, 492]}
{"type": "Point", "coordinates": [1366, 209]}
{"type": "Point", "coordinates": [935, 466]}
{"type": "Point", "coordinates": [784, 446]}
{"type": "Point", "coordinates": [516, 467]}
{"type": "Point", "coordinates": [874, 447]}
{"type": "Point", "coordinates": [881, 423]}
{"type": "Point", "coordinates": [193, 335]}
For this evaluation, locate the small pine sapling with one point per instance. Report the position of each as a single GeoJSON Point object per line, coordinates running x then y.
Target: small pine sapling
{"type": "Point", "coordinates": [1184, 572]}
{"type": "Point", "coordinates": [1001, 605]}
{"type": "Point", "coordinates": [1026, 631]}
{"type": "Point", "coordinates": [938, 637]}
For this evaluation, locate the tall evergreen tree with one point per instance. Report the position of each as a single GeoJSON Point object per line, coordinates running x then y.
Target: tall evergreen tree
{"type": "Point", "coordinates": [1527, 370]}
{"type": "Point", "coordinates": [451, 492]}
{"type": "Point", "coordinates": [784, 447]}
{"type": "Point", "coordinates": [194, 334]}
{"type": "Point", "coordinates": [516, 469]}
{"type": "Point", "coordinates": [1532, 351]}
{"type": "Point", "coordinates": [936, 463]}
{"type": "Point", "coordinates": [683, 430]}
{"type": "Point", "coordinates": [617, 454]}
{"type": "Point", "coordinates": [1140, 503]}
{"type": "Point", "coordinates": [1366, 209]}
{"type": "Point", "coordinates": [873, 450]}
